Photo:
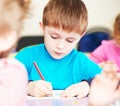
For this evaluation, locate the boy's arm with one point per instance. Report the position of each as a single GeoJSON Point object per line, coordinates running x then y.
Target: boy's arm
{"type": "Point", "coordinates": [88, 81]}
{"type": "Point", "coordinates": [78, 90]}
{"type": "Point", "coordinates": [39, 88]}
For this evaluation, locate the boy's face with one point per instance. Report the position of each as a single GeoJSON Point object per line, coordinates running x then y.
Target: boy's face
{"type": "Point", "coordinates": [58, 42]}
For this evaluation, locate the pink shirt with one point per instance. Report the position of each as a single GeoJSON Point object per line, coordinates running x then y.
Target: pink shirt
{"type": "Point", "coordinates": [108, 50]}
{"type": "Point", "coordinates": [13, 82]}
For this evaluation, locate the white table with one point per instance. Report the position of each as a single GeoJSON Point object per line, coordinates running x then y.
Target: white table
{"type": "Point", "coordinates": [56, 100]}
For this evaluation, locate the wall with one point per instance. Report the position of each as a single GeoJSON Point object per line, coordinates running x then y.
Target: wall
{"type": "Point", "coordinates": [101, 13]}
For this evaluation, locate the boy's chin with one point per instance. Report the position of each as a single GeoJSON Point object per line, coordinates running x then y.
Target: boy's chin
{"type": "Point", "coordinates": [57, 57]}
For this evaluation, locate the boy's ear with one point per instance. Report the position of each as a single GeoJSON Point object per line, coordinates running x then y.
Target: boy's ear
{"type": "Point", "coordinates": [41, 25]}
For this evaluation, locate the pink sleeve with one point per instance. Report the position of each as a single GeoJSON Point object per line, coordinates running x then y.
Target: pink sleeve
{"type": "Point", "coordinates": [13, 82]}
{"type": "Point", "coordinates": [98, 55]}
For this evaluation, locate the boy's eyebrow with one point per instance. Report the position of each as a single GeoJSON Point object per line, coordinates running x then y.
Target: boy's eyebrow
{"type": "Point", "coordinates": [71, 38]}
{"type": "Point", "coordinates": [60, 35]}
{"type": "Point", "coordinates": [54, 33]}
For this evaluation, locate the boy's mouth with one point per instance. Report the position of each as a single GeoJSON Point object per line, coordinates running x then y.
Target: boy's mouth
{"type": "Point", "coordinates": [58, 53]}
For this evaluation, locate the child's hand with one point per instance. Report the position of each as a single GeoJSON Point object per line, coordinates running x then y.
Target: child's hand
{"type": "Point", "coordinates": [103, 89]}
{"type": "Point", "coordinates": [109, 65]}
{"type": "Point", "coordinates": [79, 90]}
{"type": "Point", "coordinates": [39, 88]}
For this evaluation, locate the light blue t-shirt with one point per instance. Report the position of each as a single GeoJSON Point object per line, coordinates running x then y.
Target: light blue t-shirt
{"type": "Point", "coordinates": [71, 69]}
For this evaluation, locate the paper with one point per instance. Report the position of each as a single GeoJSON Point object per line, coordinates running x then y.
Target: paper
{"type": "Point", "coordinates": [55, 95]}
{"type": "Point", "coordinates": [56, 100]}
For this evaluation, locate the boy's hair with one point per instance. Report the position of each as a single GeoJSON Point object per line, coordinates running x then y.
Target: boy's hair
{"type": "Point", "coordinates": [12, 13]}
{"type": "Point", "coordinates": [117, 25]}
{"type": "Point", "coordinates": [69, 15]}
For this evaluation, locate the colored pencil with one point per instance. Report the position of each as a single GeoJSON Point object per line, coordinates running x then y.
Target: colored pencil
{"type": "Point", "coordinates": [38, 70]}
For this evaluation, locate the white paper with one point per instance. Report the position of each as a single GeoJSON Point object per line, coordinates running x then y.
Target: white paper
{"type": "Point", "coordinates": [56, 94]}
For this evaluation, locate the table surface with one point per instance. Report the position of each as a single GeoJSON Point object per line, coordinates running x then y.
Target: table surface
{"type": "Point", "coordinates": [56, 100]}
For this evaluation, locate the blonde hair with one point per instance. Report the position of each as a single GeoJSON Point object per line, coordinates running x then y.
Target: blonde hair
{"type": "Point", "coordinates": [70, 15]}
{"type": "Point", "coordinates": [117, 25]}
{"type": "Point", "coordinates": [12, 13]}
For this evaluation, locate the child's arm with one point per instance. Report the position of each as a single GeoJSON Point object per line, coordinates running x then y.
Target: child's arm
{"type": "Point", "coordinates": [108, 65]}
{"type": "Point", "coordinates": [103, 89]}
{"type": "Point", "coordinates": [39, 88]}
{"type": "Point", "coordinates": [79, 90]}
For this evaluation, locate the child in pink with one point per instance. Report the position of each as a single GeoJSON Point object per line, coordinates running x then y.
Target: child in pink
{"type": "Point", "coordinates": [109, 50]}
{"type": "Point", "coordinates": [13, 81]}
{"type": "Point", "coordinates": [13, 76]}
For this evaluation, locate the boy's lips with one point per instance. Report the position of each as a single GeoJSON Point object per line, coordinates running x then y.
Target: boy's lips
{"type": "Point", "coordinates": [58, 53]}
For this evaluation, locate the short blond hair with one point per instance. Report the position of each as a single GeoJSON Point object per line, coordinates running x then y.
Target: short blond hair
{"type": "Point", "coordinates": [69, 15]}
{"type": "Point", "coordinates": [12, 13]}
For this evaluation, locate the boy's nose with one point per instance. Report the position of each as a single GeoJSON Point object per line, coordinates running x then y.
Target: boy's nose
{"type": "Point", "coordinates": [60, 45]}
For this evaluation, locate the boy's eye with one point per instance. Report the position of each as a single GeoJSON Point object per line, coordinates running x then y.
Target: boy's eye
{"type": "Point", "coordinates": [54, 37]}
{"type": "Point", "coordinates": [70, 41]}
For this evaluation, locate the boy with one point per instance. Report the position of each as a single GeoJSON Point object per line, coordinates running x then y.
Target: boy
{"type": "Point", "coordinates": [13, 76]}
{"type": "Point", "coordinates": [64, 68]}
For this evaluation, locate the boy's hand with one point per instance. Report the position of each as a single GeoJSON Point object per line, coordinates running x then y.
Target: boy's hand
{"type": "Point", "coordinates": [39, 88]}
{"type": "Point", "coordinates": [79, 90]}
{"type": "Point", "coordinates": [103, 89]}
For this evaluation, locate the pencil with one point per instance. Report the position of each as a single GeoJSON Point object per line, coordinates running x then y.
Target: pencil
{"type": "Point", "coordinates": [118, 85]}
{"type": "Point", "coordinates": [38, 70]}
